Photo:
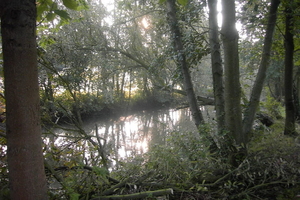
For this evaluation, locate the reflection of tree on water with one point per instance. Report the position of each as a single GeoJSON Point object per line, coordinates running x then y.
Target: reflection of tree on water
{"type": "Point", "coordinates": [112, 143]}
{"type": "Point", "coordinates": [127, 137]}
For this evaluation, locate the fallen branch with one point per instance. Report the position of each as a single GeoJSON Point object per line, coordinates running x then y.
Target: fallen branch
{"type": "Point", "coordinates": [201, 100]}
{"type": "Point", "coordinates": [115, 187]}
{"type": "Point", "coordinates": [137, 195]}
{"type": "Point", "coordinates": [125, 182]}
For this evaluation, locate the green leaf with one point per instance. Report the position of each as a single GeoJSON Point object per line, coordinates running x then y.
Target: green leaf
{"type": "Point", "coordinates": [46, 41]}
{"type": "Point", "coordinates": [100, 171]}
{"type": "Point", "coordinates": [297, 62]}
{"type": "Point", "coordinates": [41, 8]}
{"type": "Point", "coordinates": [74, 196]}
{"type": "Point", "coordinates": [50, 16]}
{"type": "Point", "coordinates": [49, 2]}
{"type": "Point", "coordinates": [161, 1]}
{"type": "Point", "coordinates": [183, 2]}
{"type": "Point", "coordinates": [54, 6]}
{"type": "Point", "coordinates": [63, 14]}
{"type": "Point", "coordinates": [71, 4]}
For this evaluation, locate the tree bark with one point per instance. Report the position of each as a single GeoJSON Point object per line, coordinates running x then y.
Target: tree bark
{"type": "Point", "coordinates": [250, 111]}
{"type": "Point", "coordinates": [296, 94]}
{"type": "Point", "coordinates": [289, 128]}
{"type": "Point", "coordinates": [216, 64]}
{"type": "Point", "coordinates": [233, 114]}
{"type": "Point", "coordinates": [24, 145]}
{"type": "Point", "coordinates": [181, 59]}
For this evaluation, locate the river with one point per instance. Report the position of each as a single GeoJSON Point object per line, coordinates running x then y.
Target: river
{"type": "Point", "coordinates": [125, 137]}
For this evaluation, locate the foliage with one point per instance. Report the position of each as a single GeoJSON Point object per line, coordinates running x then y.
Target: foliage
{"type": "Point", "coordinates": [181, 2]}
{"type": "Point", "coordinates": [48, 10]}
{"type": "Point", "coordinates": [184, 162]}
{"type": "Point", "coordinates": [91, 65]}
{"type": "Point", "coordinates": [180, 160]}
{"type": "Point", "coordinates": [271, 168]}
{"type": "Point", "coordinates": [273, 107]}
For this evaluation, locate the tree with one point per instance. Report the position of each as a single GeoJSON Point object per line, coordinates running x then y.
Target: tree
{"type": "Point", "coordinates": [289, 128]}
{"type": "Point", "coordinates": [217, 68]}
{"type": "Point", "coordinates": [261, 75]}
{"type": "Point", "coordinates": [233, 114]}
{"type": "Point", "coordinates": [182, 62]}
{"type": "Point", "coordinates": [24, 144]}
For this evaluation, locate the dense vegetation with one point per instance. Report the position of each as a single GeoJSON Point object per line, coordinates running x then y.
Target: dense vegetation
{"type": "Point", "coordinates": [113, 59]}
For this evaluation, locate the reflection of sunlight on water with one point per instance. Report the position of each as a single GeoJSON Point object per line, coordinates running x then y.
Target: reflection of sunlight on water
{"type": "Point", "coordinates": [127, 136]}
{"type": "Point", "coordinates": [133, 142]}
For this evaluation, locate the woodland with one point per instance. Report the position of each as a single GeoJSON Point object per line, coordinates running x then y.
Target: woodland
{"type": "Point", "coordinates": [64, 61]}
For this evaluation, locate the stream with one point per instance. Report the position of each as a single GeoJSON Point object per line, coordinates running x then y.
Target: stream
{"type": "Point", "coordinates": [127, 136]}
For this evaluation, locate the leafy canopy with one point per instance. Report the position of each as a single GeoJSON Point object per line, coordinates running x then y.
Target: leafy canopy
{"type": "Point", "coordinates": [181, 2]}
{"type": "Point", "coordinates": [48, 10]}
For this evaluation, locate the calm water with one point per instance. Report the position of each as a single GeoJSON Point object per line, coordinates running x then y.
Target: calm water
{"type": "Point", "coordinates": [127, 136]}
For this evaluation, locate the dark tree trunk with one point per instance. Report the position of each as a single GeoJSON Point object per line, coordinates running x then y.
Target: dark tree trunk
{"type": "Point", "coordinates": [233, 114]}
{"type": "Point", "coordinates": [261, 75]}
{"type": "Point", "coordinates": [296, 101]}
{"type": "Point", "coordinates": [289, 128]}
{"type": "Point", "coordinates": [181, 59]}
{"type": "Point", "coordinates": [24, 145]}
{"type": "Point", "coordinates": [278, 89]}
{"type": "Point", "coordinates": [216, 63]}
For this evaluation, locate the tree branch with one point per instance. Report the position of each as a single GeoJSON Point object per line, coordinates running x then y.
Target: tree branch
{"type": "Point", "coordinates": [137, 195]}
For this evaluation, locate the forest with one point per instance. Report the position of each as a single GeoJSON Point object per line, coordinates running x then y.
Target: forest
{"type": "Point", "coordinates": [149, 99]}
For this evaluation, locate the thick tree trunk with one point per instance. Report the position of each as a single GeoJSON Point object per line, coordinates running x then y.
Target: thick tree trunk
{"type": "Point", "coordinates": [233, 114]}
{"type": "Point", "coordinates": [181, 59]}
{"type": "Point", "coordinates": [261, 75]}
{"type": "Point", "coordinates": [24, 145]}
{"type": "Point", "coordinates": [216, 63]}
{"type": "Point", "coordinates": [289, 128]}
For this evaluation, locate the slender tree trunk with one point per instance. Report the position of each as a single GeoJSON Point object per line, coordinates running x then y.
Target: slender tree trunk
{"type": "Point", "coordinates": [216, 63]}
{"type": "Point", "coordinates": [261, 75]}
{"type": "Point", "coordinates": [233, 114]}
{"type": "Point", "coordinates": [24, 145]}
{"type": "Point", "coordinates": [296, 100]}
{"type": "Point", "coordinates": [279, 89]}
{"type": "Point", "coordinates": [297, 93]}
{"type": "Point", "coordinates": [289, 128]}
{"type": "Point", "coordinates": [181, 59]}
{"type": "Point", "coordinates": [122, 87]}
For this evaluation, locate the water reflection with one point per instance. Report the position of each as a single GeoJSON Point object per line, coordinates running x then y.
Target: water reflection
{"type": "Point", "coordinates": [125, 137]}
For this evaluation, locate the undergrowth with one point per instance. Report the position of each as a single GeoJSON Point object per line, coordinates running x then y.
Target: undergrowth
{"type": "Point", "coordinates": [271, 169]}
{"type": "Point", "coordinates": [185, 162]}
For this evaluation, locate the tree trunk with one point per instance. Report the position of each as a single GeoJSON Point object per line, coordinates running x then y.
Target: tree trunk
{"type": "Point", "coordinates": [296, 101]}
{"type": "Point", "coordinates": [216, 63]}
{"type": "Point", "coordinates": [181, 59]}
{"type": "Point", "coordinates": [261, 75]}
{"type": "Point", "coordinates": [289, 128]}
{"type": "Point", "coordinates": [297, 93]}
{"type": "Point", "coordinates": [233, 114]}
{"type": "Point", "coordinates": [24, 145]}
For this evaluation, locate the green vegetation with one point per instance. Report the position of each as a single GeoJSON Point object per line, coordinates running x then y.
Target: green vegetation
{"type": "Point", "coordinates": [184, 163]}
{"type": "Point", "coordinates": [111, 61]}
